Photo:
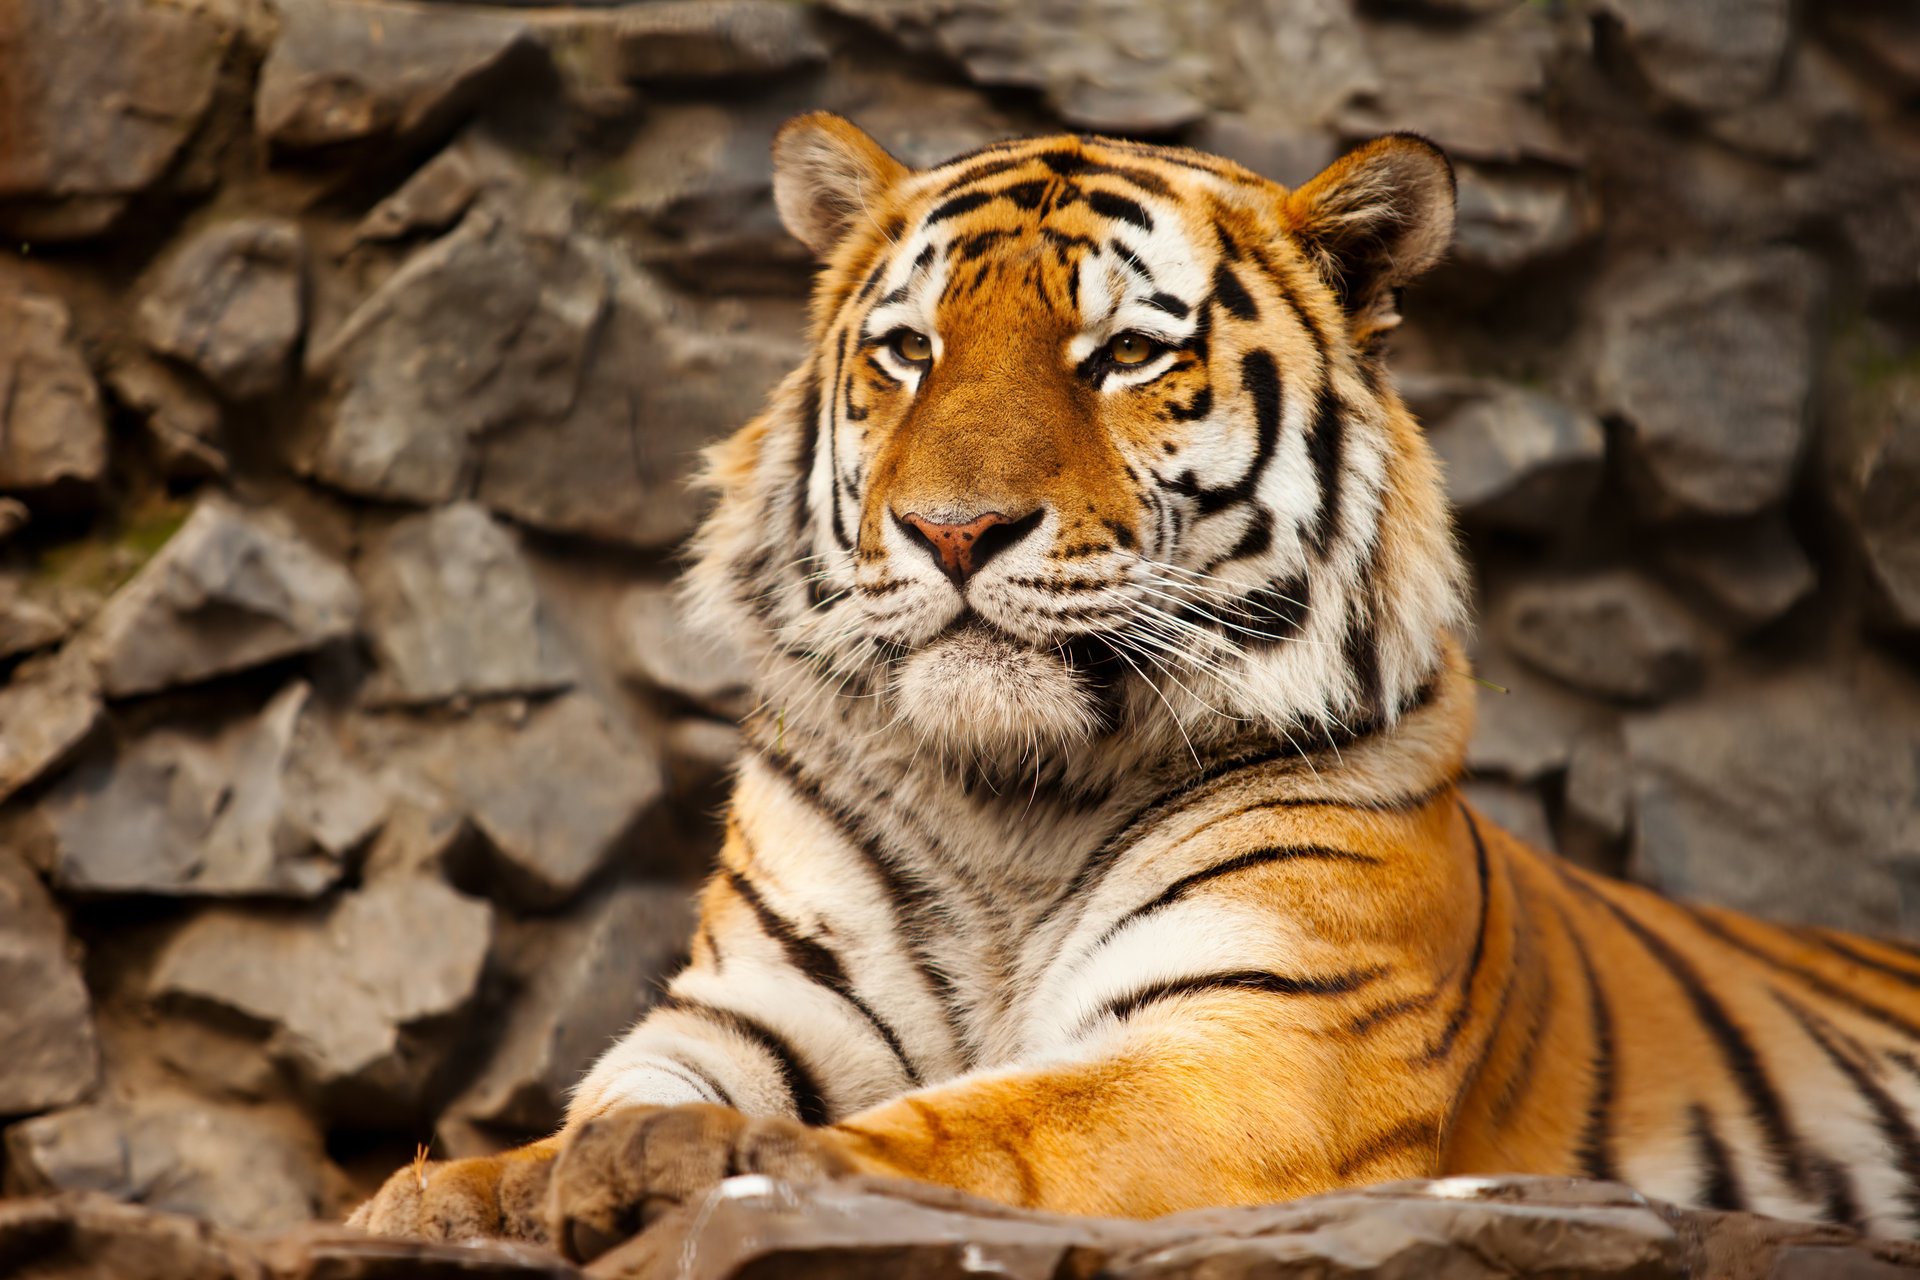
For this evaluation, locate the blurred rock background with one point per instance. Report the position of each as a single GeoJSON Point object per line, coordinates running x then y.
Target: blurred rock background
{"type": "Point", "coordinates": [353, 768]}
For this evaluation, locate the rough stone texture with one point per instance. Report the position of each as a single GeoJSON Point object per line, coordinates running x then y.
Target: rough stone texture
{"type": "Point", "coordinates": [231, 590]}
{"type": "Point", "coordinates": [1730, 805]}
{"type": "Point", "coordinates": [97, 100]}
{"type": "Point", "coordinates": [583, 978]}
{"type": "Point", "coordinates": [358, 995]}
{"type": "Point", "coordinates": [1709, 54]}
{"type": "Point", "coordinates": [699, 39]}
{"type": "Point", "coordinates": [264, 806]}
{"type": "Point", "coordinates": [352, 73]}
{"type": "Point", "coordinates": [1517, 459]}
{"type": "Point", "coordinates": [1708, 362]}
{"type": "Point", "coordinates": [1876, 474]}
{"type": "Point", "coordinates": [27, 622]}
{"type": "Point", "coordinates": [453, 611]}
{"type": "Point", "coordinates": [51, 429]}
{"type": "Point", "coordinates": [1507, 218]}
{"type": "Point", "coordinates": [182, 420]}
{"type": "Point", "coordinates": [46, 711]}
{"type": "Point", "coordinates": [231, 303]}
{"type": "Point", "coordinates": [659, 647]}
{"type": "Point", "coordinates": [1518, 810]}
{"type": "Point", "coordinates": [1613, 634]}
{"type": "Point", "coordinates": [1754, 571]}
{"type": "Point", "coordinates": [48, 1054]}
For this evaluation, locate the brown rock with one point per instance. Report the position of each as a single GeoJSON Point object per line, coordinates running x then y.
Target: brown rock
{"type": "Point", "coordinates": [182, 420]}
{"type": "Point", "coordinates": [703, 39]}
{"type": "Point", "coordinates": [1508, 217]}
{"type": "Point", "coordinates": [660, 648]}
{"type": "Point", "coordinates": [350, 73]}
{"type": "Point", "coordinates": [231, 303]}
{"type": "Point", "coordinates": [362, 995]}
{"type": "Point", "coordinates": [81, 1235]}
{"type": "Point", "coordinates": [29, 620]}
{"type": "Point", "coordinates": [46, 712]}
{"type": "Point", "coordinates": [48, 1054]}
{"type": "Point", "coordinates": [1874, 468]}
{"type": "Point", "coordinates": [98, 99]}
{"type": "Point", "coordinates": [51, 428]}
{"type": "Point", "coordinates": [433, 199]}
{"type": "Point", "coordinates": [230, 590]}
{"type": "Point", "coordinates": [1707, 54]}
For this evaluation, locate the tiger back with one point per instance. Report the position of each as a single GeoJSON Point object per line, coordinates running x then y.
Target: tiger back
{"type": "Point", "coordinates": [1097, 846]}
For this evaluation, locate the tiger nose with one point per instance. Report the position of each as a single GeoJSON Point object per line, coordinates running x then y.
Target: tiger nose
{"type": "Point", "coordinates": [962, 548]}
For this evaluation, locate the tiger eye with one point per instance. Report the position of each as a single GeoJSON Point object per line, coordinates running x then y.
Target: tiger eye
{"type": "Point", "coordinates": [1130, 348]}
{"type": "Point", "coordinates": [914, 348]}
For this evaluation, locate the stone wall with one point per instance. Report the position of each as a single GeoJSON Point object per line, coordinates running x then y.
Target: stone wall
{"type": "Point", "coordinates": [353, 356]}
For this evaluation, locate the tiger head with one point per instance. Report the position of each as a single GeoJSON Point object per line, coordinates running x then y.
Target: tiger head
{"type": "Point", "coordinates": [1094, 442]}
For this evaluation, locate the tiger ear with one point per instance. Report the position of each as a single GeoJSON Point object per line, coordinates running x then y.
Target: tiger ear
{"type": "Point", "coordinates": [1375, 219]}
{"type": "Point", "coordinates": [826, 173]}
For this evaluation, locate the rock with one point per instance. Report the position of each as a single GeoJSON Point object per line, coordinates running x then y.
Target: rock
{"type": "Point", "coordinates": [28, 622]}
{"type": "Point", "coordinates": [583, 979]}
{"type": "Point", "coordinates": [555, 798]}
{"type": "Point", "coordinates": [707, 39]}
{"type": "Point", "coordinates": [48, 1054]}
{"type": "Point", "coordinates": [1795, 796]}
{"type": "Point", "coordinates": [1754, 570]}
{"type": "Point", "coordinates": [231, 590]}
{"type": "Point", "coordinates": [433, 199]}
{"type": "Point", "coordinates": [1874, 468]}
{"type": "Point", "coordinates": [428, 579]}
{"type": "Point", "coordinates": [46, 711]}
{"type": "Point", "coordinates": [1509, 217]}
{"type": "Point", "coordinates": [362, 995]}
{"type": "Point", "coordinates": [1708, 361]}
{"type": "Point", "coordinates": [700, 754]}
{"type": "Point", "coordinates": [1275, 149]}
{"type": "Point", "coordinates": [659, 647]}
{"type": "Point", "coordinates": [13, 517]}
{"type": "Point", "coordinates": [371, 72]}
{"type": "Point", "coordinates": [263, 806]}
{"type": "Point", "coordinates": [1517, 810]}
{"type": "Point", "coordinates": [670, 375]}
{"type": "Point", "coordinates": [52, 432]}
{"type": "Point", "coordinates": [1527, 732]}
{"type": "Point", "coordinates": [481, 328]}
{"type": "Point", "coordinates": [1614, 634]}
{"type": "Point", "coordinates": [182, 420]}
{"type": "Point", "coordinates": [1599, 788]}
{"type": "Point", "coordinates": [231, 303]}
{"type": "Point", "coordinates": [99, 99]}
{"type": "Point", "coordinates": [1886, 32]}
{"type": "Point", "coordinates": [1517, 459]}
{"type": "Point", "coordinates": [1708, 55]}
{"type": "Point", "coordinates": [240, 1168]}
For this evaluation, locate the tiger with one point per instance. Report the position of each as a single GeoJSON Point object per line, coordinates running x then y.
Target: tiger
{"type": "Point", "coordinates": [1097, 845]}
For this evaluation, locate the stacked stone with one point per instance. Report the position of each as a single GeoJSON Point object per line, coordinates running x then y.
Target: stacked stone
{"type": "Point", "coordinates": [354, 358]}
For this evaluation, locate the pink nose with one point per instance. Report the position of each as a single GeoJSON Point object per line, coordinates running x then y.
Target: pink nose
{"type": "Point", "coordinates": [957, 546]}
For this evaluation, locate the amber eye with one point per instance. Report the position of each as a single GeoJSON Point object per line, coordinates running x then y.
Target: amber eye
{"type": "Point", "coordinates": [1131, 348]}
{"type": "Point", "coordinates": [914, 348]}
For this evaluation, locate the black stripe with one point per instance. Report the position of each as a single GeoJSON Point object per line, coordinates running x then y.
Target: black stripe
{"type": "Point", "coordinates": [1513, 1088]}
{"type": "Point", "coordinates": [703, 1083]}
{"type": "Point", "coordinates": [817, 962]}
{"type": "Point", "coordinates": [1260, 378]}
{"type": "Point", "coordinates": [1259, 980]}
{"type": "Point", "coordinates": [808, 1100]}
{"type": "Point", "coordinates": [1109, 205]}
{"type": "Point", "coordinates": [1790, 1159]}
{"type": "Point", "coordinates": [840, 534]}
{"type": "Point", "coordinates": [958, 205]}
{"type": "Point", "coordinates": [1132, 261]}
{"type": "Point", "coordinates": [1842, 947]}
{"type": "Point", "coordinates": [1719, 1185]}
{"type": "Point", "coordinates": [1231, 294]}
{"type": "Point", "coordinates": [981, 171]}
{"type": "Point", "coordinates": [708, 1079]}
{"type": "Point", "coordinates": [1458, 1020]}
{"type": "Point", "coordinates": [1171, 305]}
{"type": "Point", "coordinates": [1240, 862]}
{"type": "Point", "coordinates": [1327, 448]}
{"type": "Point", "coordinates": [809, 444]}
{"type": "Point", "coordinates": [1595, 1152]}
{"type": "Point", "coordinates": [1824, 985]}
{"type": "Point", "coordinates": [1889, 1116]}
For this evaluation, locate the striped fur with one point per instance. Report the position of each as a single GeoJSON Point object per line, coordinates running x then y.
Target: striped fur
{"type": "Point", "coordinates": [1131, 875]}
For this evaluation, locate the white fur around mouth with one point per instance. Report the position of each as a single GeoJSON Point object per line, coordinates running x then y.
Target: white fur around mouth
{"type": "Point", "coordinates": [982, 691]}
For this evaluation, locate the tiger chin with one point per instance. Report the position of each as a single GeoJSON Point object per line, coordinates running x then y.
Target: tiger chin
{"type": "Point", "coordinates": [1097, 846]}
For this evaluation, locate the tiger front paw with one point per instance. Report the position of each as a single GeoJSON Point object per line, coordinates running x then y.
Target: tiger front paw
{"type": "Point", "coordinates": [500, 1197]}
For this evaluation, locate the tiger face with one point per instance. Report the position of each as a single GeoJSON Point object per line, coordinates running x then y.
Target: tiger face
{"type": "Point", "coordinates": [1094, 441]}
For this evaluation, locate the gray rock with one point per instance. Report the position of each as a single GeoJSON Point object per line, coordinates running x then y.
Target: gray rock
{"type": "Point", "coordinates": [1527, 732]}
{"type": "Point", "coordinates": [241, 1168]}
{"type": "Point", "coordinates": [1614, 634]}
{"type": "Point", "coordinates": [28, 620]}
{"type": "Point", "coordinates": [479, 329]}
{"type": "Point", "coordinates": [51, 428]}
{"type": "Point", "coordinates": [1754, 570]}
{"type": "Point", "coordinates": [1517, 810]}
{"type": "Point", "coordinates": [101, 109]}
{"type": "Point", "coordinates": [264, 806]}
{"type": "Point", "coordinates": [1885, 32]}
{"type": "Point", "coordinates": [46, 712]}
{"type": "Point", "coordinates": [1509, 217]}
{"type": "Point", "coordinates": [1708, 360]}
{"type": "Point", "coordinates": [658, 646]}
{"type": "Point", "coordinates": [365, 72]}
{"type": "Point", "coordinates": [1517, 459]}
{"type": "Point", "coordinates": [1599, 788]}
{"type": "Point", "coordinates": [702, 39]}
{"type": "Point", "coordinates": [1874, 475]}
{"type": "Point", "coordinates": [230, 590]}
{"type": "Point", "coordinates": [1707, 54]}
{"type": "Point", "coordinates": [583, 979]}
{"type": "Point", "coordinates": [182, 420]}
{"type": "Point", "coordinates": [48, 1054]}
{"type": "Point", "coordinates": [1794, 795]}
{"type": "Point", "coordinates": [430, 579]}
{"type": "Point", "coordinates": [230, 301]}
{"type": "Point", "coordinates": [555, 798]}
{"type": "Point", "coordinates": [700, 753]}
{"type": "Point", "coordinates": [362, 996]}
{"type": "Point", "coordinates": [433, 199]}
{"type": "Point", "coordinates": [669, 375]}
